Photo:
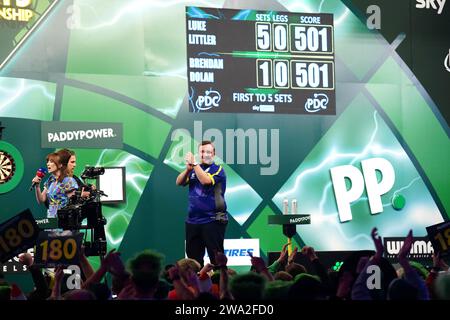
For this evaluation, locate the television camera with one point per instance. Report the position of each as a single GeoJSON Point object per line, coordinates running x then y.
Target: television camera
{"type": "Point", "coordinates": [83, 207]}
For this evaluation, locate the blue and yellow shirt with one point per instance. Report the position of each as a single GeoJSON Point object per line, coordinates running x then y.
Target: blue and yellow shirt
{"type": "Point", "coordinates": [206, 200]}
{"type": "Point", "coordinates": [57, 193]}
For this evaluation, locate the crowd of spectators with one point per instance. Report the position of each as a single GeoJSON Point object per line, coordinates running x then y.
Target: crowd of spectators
{"type": "Point", "coordinates": [145, 277]}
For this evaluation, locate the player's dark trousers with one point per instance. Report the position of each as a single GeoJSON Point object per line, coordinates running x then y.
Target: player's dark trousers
{"type": "Point", "coordinates": [199, 236]}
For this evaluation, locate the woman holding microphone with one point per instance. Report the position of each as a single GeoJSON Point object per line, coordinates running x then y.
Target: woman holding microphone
{"type": "Point", "coordinates": [58, 188]}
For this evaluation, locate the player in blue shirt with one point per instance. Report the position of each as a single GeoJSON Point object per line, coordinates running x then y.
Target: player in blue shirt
{"type": "Point", "coordinates": [207, 218]}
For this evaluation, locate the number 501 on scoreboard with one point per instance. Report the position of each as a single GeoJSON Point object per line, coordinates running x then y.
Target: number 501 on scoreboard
{"type": "Point", "coordinates": [295, 74]}
{"type": "Point", "coordinates": [282, 37]}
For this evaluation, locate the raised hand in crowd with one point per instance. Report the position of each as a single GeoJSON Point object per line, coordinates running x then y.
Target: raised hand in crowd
{"type": "Point", "coordinates": [360, 290]}
{"type": "Point", "coordinates": [291, 258]}
{"type": "Point", "coordinates": [281, 262]}
{"type": "Point", "coordinates": [345, 285]}
{"type": "Point", "coordinates": [41, 290]}
{"type": "Point", "coordinates": [438, 263]}
{"type": "Point", "coordinates": [174, 272]}
{"type": "Point", "coordinates": [222, 260]}
{"type": "Point", "coordinates": [204, 279]}
{"type": "Point", "coordinates": [128, 292]}
{"type": "Point", "coordinates": [260, 266]}
{"type": "Point", "coordinates": [310, 253]}
{"type": "Point", "coordinates": [182, 289]}
{"type": "Point", "coordinates": [411, 276]}
{"type": "Point", "coordinates": [56, 291]}
{"type": "Point", "coordinates": [113, 263]}
{"type": "Point", "coordinates": [319, 268]}
{"type": "Point", "coordinates": [85, 264]}
{"type": "Point", "coordinates": [405, 249]}
{"type": "Point", "coordinates": [258, 263]}
{"type": "Point", "coordinates": [378, 242]}
{"type": "Point", "coordinates": [26, 259]}
{"type": "Point", "coordinates": [193, 281]}
{"type": "Point", "coordinates": [362, 264]}
{"type": "Point", "coordinates": [438, 266]}
{"type": "Point", "coordinates": [283, 258]}
{"type": "Point", "coordinates": [207, 268]}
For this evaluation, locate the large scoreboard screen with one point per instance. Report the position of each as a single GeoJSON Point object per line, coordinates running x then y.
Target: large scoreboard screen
{"type": "Point", "coordinates": [260, 61]}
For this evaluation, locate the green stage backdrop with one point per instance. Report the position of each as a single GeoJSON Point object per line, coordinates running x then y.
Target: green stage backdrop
{"type": "Point", "coordinates": [113, 61]}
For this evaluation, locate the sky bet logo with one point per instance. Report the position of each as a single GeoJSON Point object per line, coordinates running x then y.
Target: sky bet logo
{"type": "Point", "coordinates": [319, 102]}
{"type": "Point", "coordinates": [368, 176]}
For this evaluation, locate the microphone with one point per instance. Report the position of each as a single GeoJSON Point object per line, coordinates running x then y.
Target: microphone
{"type": "Point", "coordinates": [40, 173]}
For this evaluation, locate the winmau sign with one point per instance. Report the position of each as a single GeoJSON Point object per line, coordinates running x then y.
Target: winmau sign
{"type": "Point", "coordinates": [420, 249]}
{"type": "Point", "coordinates": [81, 135]}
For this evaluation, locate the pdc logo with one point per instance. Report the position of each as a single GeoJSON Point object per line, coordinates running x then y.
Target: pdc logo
{"type": "Point", "coordinates": [447, 61]}
{"type": "Point", "coordinates": [209, 100]}
{"type": "Point", "coordinates": [317, 103]}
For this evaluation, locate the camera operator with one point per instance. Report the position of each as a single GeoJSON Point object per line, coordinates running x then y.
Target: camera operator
{"type": "Point", "coordinates": [70, 159]}
{"type": "Point", "coordinates": [85, 206]}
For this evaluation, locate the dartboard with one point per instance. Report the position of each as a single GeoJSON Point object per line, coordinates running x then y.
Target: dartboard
{"type": "Point", "coordinates": [7, 167]}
